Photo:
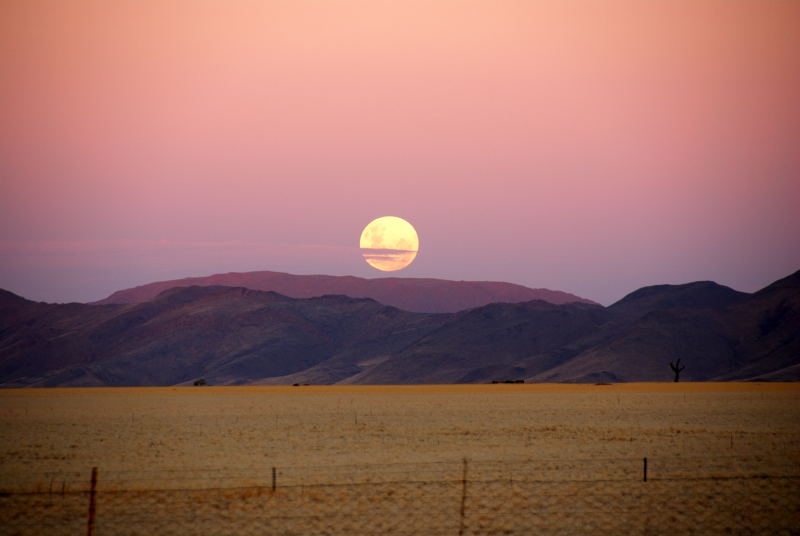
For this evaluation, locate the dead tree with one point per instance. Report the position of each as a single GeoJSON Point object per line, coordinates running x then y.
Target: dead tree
{"type": "Point", "coordinates": [677, 368]}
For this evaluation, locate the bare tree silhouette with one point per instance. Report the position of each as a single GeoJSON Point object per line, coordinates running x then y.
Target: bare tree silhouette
{"type": "Point", "coordinates": [677, 368]}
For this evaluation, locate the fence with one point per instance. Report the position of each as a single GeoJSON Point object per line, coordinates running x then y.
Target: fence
{"type": "Point", "coordinates": [724, 495]}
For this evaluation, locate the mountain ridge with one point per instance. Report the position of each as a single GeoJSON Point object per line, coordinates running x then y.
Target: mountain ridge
{"type": "Point", "coordinates": [423, 295]}
{"type": "Point", "coordinates": [236, 335]}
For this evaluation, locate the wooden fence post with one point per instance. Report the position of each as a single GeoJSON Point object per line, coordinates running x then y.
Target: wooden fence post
{"type": "Point", "coordinates": [92, 492]}
{"type": "Point", "coordinates": [463, 498]}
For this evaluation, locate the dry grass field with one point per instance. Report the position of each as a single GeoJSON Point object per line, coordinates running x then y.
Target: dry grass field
{"type": "Point", "coordinates": [545, 459]}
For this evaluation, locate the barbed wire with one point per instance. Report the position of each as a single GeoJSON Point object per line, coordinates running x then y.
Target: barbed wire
{"type": "Point", "coordinates": [680, 495]}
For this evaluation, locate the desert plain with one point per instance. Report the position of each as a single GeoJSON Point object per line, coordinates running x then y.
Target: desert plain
{"type": "Point", "coordinates": [439, 459]}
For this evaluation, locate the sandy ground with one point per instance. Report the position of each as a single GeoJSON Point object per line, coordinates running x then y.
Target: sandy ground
{"type": "Point", "coordinates": [554, 458]}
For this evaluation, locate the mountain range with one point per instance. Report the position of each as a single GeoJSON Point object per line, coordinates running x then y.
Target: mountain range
{"type": "Point", "coordinates": [410, 294]}
{"type": "Point", "coordinates": [238, 335]}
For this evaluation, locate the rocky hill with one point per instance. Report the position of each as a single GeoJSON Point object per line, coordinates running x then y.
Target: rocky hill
{"type": "Point", "coordinates": [234, 335]}
{"type": "Point", "coordinates": [410, 294]}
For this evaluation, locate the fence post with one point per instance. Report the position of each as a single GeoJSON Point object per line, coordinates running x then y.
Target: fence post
{"type": "Point", "coordinates": [461, 526]}
{"type": "Point", "coordinates": [274, 479]}
{"type": "Point", "coordinates": [645, 468]}
{"type": "Point", "coordinates": [92, 492]}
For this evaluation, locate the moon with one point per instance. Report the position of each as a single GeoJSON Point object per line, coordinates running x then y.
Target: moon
{"type": "Point", "coordinates": [389, 243]}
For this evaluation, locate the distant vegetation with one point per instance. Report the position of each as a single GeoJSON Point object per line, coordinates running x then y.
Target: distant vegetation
{"type": "Point", "coordinates": [677, 368]}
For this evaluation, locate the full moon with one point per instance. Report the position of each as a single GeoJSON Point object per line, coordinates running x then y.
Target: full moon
{"type": "Point", "coordinates": [389, 243]}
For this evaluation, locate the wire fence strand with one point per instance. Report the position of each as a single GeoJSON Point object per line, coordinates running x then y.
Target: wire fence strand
{"type": "Point", "coordinates": [700, 495]}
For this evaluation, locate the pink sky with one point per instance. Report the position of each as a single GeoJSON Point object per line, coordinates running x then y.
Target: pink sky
{"type": "Point", "coordinates": [591, 147]}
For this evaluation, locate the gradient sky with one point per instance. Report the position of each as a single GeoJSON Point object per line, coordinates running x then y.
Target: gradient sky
{"type": "Point", "coordinates": [587, 146]}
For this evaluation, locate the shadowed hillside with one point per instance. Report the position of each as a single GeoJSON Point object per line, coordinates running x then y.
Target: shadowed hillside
{"type": "Point", "coordinates": [234, 335]}
{"type": "Point", "coordinates": [410, 294]}
{"type": "Point", "coordinates": [228, 334]}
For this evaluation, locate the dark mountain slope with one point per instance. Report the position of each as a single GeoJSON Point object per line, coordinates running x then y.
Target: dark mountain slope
{"type": "Point", "coordinates": [228, 335]}
{"type": "Point", "coordinates": [37, 337]}
{"type": "Point", "coordinates": [717, 332]}
{"type": "Point", "coordinates": [236, 335]}
{"type": "Point", "coordinates": [494, 342]}
{"type": "Point", "coordinates": [409, 294]}
{"type": "Point", "coordinates": [767, 332]}
{"type": "Point", "coordinates": [643, 349]}
{"type": "Point", "coordinates": [634, 340]}
{"type": "Point", "coordinates": [697, 295]}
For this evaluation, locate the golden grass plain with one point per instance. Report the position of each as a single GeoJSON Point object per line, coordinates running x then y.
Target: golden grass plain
{"type": "Point", "coordinates": [699, 439]}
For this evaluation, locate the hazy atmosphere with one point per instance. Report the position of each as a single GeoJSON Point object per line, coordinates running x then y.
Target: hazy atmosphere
{"type": "Point", "coordinates": [590, 147]}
